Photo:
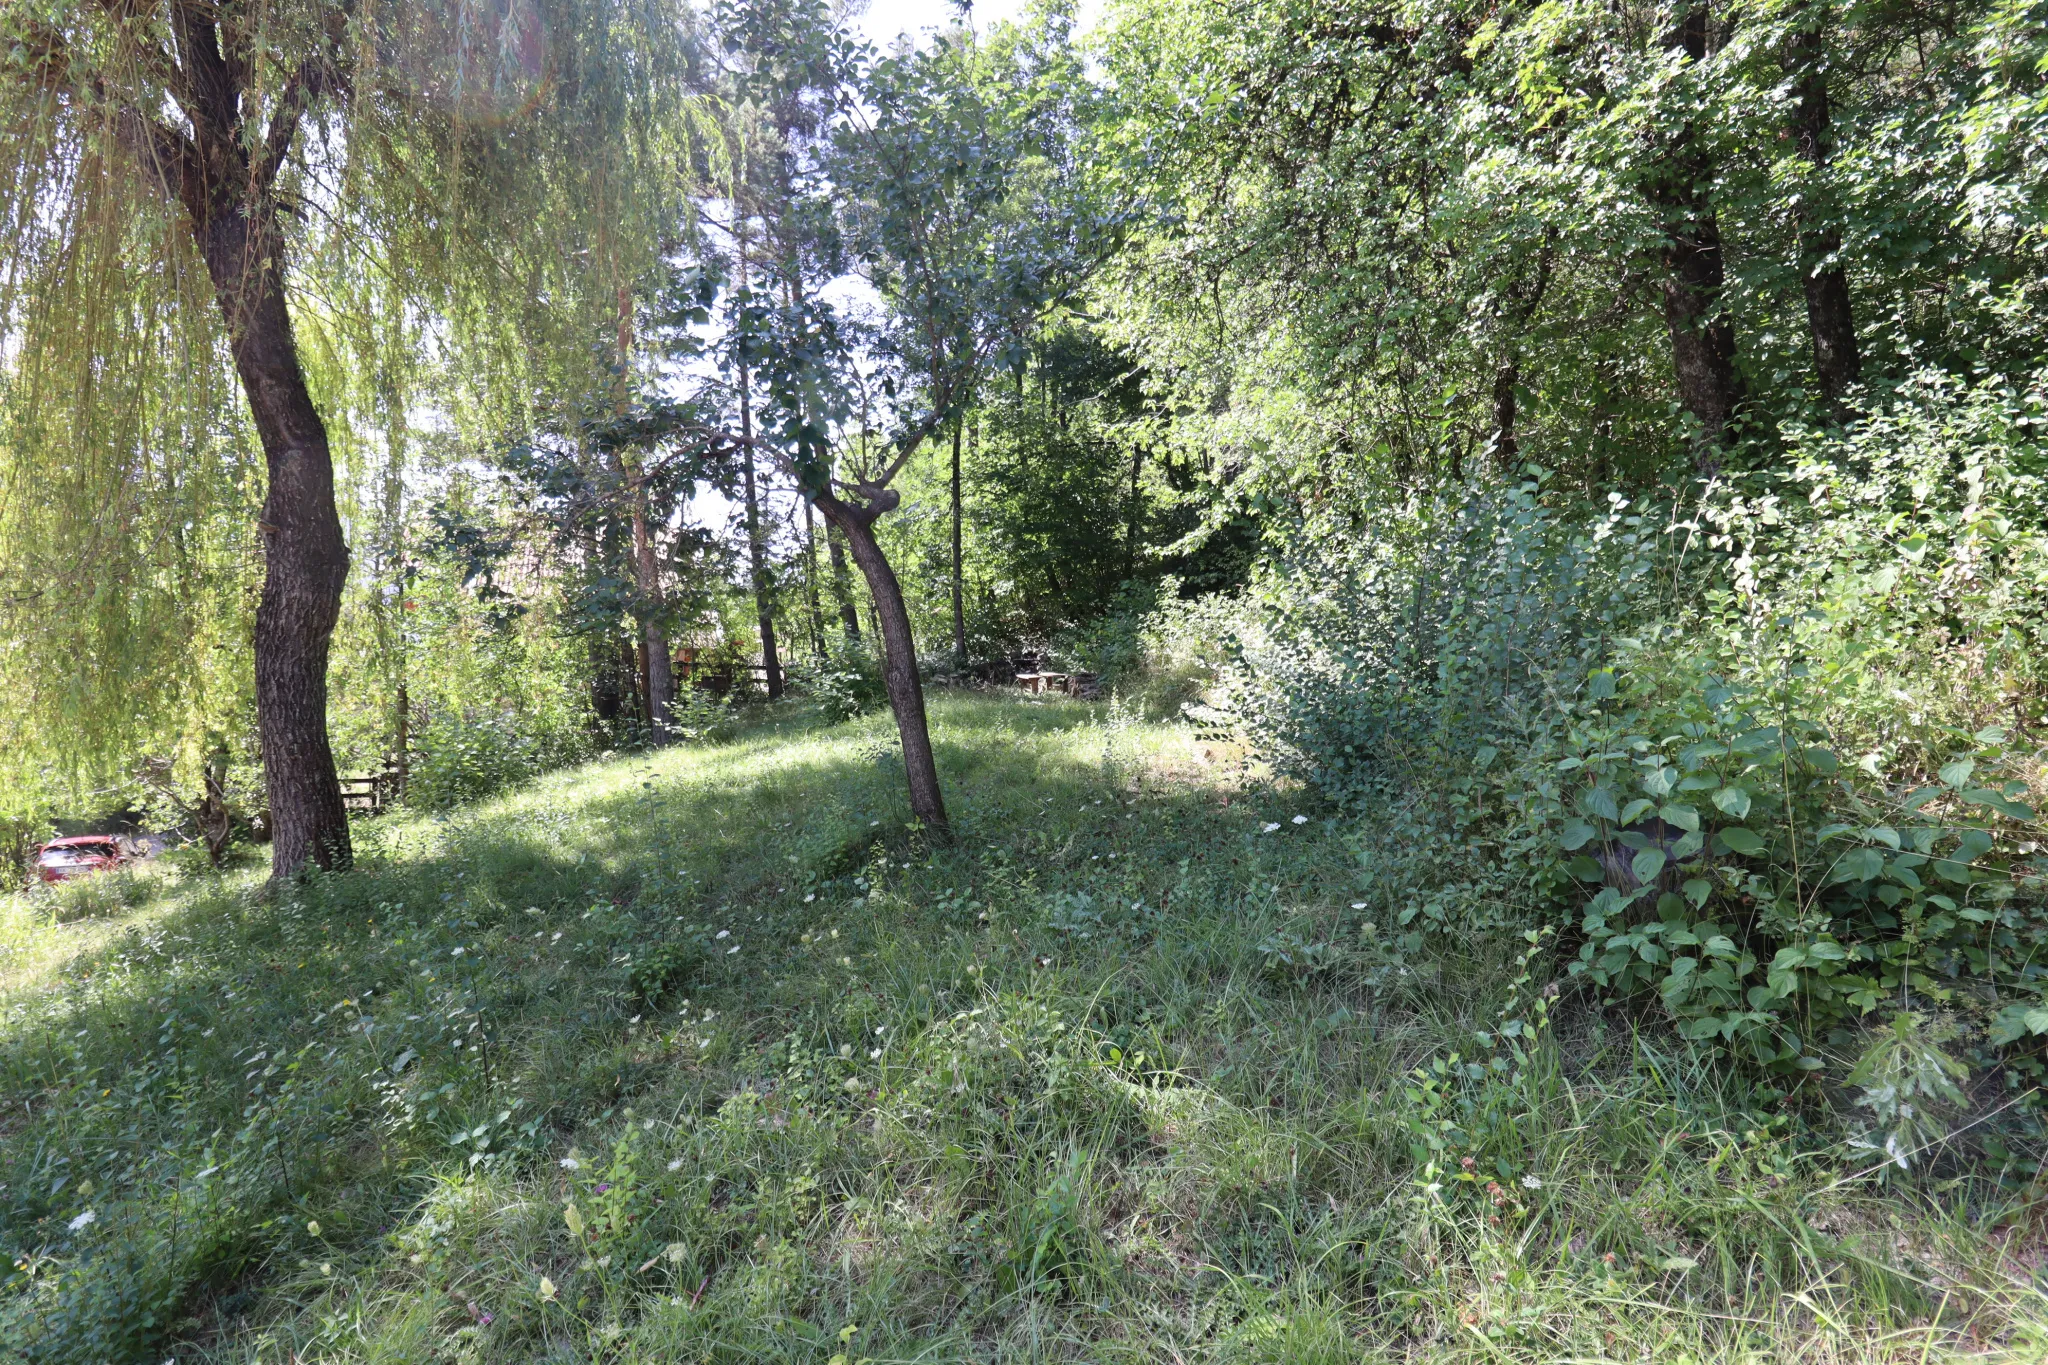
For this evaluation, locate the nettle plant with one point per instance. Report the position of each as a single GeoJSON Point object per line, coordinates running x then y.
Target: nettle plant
{"type": "Point", "coordinates": [1769, 894]}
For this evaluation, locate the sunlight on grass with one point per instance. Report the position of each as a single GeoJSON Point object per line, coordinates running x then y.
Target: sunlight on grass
{"type": "Point", "coordinates": [706, 1056]}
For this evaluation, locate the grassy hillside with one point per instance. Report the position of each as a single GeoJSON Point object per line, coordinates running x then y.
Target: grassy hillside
{"type": "Point", "coordinates": [705, 1056]}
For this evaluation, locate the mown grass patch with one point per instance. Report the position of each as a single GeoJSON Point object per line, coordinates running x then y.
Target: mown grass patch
{"type": "Point", "coordinates": [706, 1056]}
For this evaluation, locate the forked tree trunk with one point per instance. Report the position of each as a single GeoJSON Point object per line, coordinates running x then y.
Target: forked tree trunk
{"type": "Point", "coordinates": [305, 560]}
{"type": "Point", "coordinates": [899, 662]}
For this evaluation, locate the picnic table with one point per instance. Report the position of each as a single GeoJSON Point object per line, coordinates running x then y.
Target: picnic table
{"type": "Point", "coordinates": [1072, 684]}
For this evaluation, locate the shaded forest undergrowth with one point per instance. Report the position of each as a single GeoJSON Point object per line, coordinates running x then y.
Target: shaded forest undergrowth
{"type": "Point", "coordinates": [705, 1055]}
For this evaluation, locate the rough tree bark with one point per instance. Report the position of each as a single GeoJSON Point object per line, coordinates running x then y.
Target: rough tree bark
{"type": "Point", "coordinates": [224, 175]}
{"type": "Point", "coordinates": [1837, 363]}
{"type": "Point", "coordinates": [661, 683]}
{"type": "Point", "coordinates": [899, 652]}
{"type": "Point", "coordinates": [1702, 334]}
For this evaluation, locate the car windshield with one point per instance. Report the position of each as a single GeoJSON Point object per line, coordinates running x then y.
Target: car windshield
{"type": "Point", "coordinates": [75, 853]}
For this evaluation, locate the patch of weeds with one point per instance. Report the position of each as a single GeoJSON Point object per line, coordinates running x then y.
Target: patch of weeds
{"type": "Point", "coordinates": [669, 967]}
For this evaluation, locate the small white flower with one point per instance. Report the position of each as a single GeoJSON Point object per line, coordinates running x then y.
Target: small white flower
{"type": "Point", "coordinates": [1358, 905]}
{"type": "Point", "coordinates": [730, 951]}
{"type": "Point", "coordinates": [809, 897]}
{"type": "Point", "coordinates": [676, 1165]}
{"type": "Point", "coordinates": [1530, 1182]}
{"type": "Point", "coordinates": [1301, 819]}
{"type": "Point", "coordinates": [84, 1220]}
{"type": "Point", "coordinates": [570, 1163]}
{"type": "Point", "coordinates": [874, 1053]}
{"type": "Point", "coordinates": [723, 933]}
{"type": "Point", "coordinates": [1270, 827]}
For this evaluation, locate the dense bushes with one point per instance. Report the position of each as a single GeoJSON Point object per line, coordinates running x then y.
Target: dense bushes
{"type": "Point", "coordinates": [464, 756]}
{"type": "Point", "coordinates": [1768, 753]}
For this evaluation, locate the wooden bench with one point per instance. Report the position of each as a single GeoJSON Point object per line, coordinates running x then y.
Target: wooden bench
{"type": "Point", "coordinates": [1072, 684]}
{"type": "Point", "coordinates": [370, 793]}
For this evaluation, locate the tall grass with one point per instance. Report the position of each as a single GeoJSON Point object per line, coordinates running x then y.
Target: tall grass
{"type": "Point", "coordinates": [704, 1056]}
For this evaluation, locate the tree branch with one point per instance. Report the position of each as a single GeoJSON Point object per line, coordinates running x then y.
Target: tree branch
{"type": "Point", "coordinates": [299, 92]}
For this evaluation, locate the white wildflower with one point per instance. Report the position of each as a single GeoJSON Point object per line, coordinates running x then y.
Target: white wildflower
{"type": "Point", "coordinates": [1301, 819]}
{"type": "Point", "coordinates": [84, 1221]}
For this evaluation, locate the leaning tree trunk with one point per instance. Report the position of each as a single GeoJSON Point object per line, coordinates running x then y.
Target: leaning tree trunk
{"type": "Point", "coordinates": [899, 660]}
{"type": "Point", "coordinates": [305, 559]}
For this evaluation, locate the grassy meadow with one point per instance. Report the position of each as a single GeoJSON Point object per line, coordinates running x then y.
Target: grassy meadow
{"type": "Point", "coordinates": [706, 1056]}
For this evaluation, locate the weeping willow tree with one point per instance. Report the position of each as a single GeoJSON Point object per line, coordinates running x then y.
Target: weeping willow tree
{"type": "Point", "coordinates": [316, 204]}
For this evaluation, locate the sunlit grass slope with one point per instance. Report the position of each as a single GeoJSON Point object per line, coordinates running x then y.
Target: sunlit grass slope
{"type": "Point", "coordinates": [706, 1056]}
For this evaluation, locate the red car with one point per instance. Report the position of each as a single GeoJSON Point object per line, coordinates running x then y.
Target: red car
{"type": "Point", "coordinates": [62, 859]}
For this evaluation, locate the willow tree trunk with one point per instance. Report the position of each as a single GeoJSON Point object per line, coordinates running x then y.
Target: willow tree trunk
{"type": "Point", "coordinates": [899, 660]}
{"type": "Point", "coordinates": [1837, 363]}
{"type": "Point", "coordinates": [1702, 334]}
{"type": "Point", "coordinates": [305, 560]}
{"type": "Point", "coordinates": [222, 170]}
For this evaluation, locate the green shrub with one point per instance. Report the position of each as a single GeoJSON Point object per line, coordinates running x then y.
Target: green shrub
{"type": "Point", "coordinates": [1780, 895]}
{"type": "Point", "coordinates": [1370, 653]}
{"type": "Point", "coordinates": [464, 757]}
{"type": "Point", "coordinates": [668, 967]}
{"type": "Point", "coordinates": [848, 683]}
